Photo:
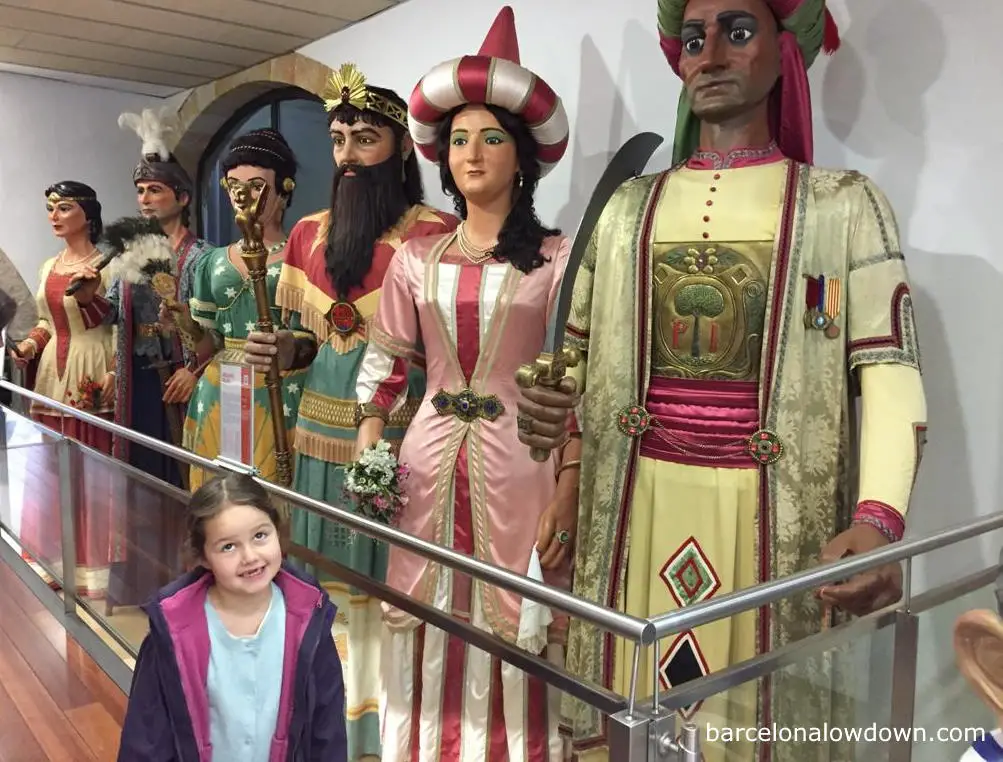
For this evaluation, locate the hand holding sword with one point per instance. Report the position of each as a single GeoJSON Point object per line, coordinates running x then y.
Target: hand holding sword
{"type": "Point", "coordinates": [548, 394]}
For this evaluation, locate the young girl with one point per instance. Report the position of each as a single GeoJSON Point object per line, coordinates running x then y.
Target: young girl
{"type": "Point", "coordinates": [239, 663]}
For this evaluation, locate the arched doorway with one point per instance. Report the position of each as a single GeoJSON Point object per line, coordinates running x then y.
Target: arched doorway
{"type": "Point", "coordinates": [299, 115]}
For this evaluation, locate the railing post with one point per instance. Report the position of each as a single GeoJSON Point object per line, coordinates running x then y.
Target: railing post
{"type": "Point", "coordinates": [903, 709]}
{"type": "Point", "coordinates": [629, 735]}
{"type": "Point", "coordinates": [6, 509]}
{"type": "Point", "coordinates": [68, 486]}
{"type": "Point", "coordinates": [999, 586]}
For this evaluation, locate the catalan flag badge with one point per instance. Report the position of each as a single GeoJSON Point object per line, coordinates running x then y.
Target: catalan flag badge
{"type": "Point", "coordinates": [822, 300]}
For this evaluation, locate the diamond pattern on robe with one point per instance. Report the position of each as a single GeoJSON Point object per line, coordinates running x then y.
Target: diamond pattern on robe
{"type": "Point", "coordinates": [682, 662]}
{"type": "Point", "coordinates": [689, 575]}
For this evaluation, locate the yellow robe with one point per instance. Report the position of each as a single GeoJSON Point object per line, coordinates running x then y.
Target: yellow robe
{"type": "Point", "coordinates": [739, 526]}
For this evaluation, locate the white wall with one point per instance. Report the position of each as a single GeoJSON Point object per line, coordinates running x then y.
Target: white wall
{"type": "Point", "coordinates": [910, 99]}
{"type": "Point", "coordinates": [52, 131]}
{"type": "Point", "coordinates": [903, 101]}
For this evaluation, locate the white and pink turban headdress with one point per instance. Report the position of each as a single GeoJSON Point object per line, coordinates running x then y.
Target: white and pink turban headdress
{"type": "Point", "coordinates": [494, 77]}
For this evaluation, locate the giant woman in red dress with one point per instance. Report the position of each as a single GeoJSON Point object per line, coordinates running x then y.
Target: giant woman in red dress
{"type": "Point", "coordinates": [76, 366]}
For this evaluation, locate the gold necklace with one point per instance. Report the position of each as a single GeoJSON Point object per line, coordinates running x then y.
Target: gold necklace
{"type": "Point", "coordinates": [476, 254]}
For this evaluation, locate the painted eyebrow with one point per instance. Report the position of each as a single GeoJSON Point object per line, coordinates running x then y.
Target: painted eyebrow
{"type": "Point", "coordinates": [367, 130]}
{"type": "Point", "coordinates": [464, 130]}
{"type": "Point", "coordinates": [725, 18]}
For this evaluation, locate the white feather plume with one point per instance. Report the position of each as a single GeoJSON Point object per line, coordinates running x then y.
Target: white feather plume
{"type": "Point", "coordinates": [152, 127]}
{"type": "Point", "coordinates": [139, 254]}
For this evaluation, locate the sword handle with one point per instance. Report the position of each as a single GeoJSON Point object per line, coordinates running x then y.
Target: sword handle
{"type": "Point", "coordinates": [548, 370]}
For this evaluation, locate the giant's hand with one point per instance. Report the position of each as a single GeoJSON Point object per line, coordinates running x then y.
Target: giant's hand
{"type": "Point", "coordinates": [261, 347]}
{"type": "Point", "coordinates": [556, 531]}
{"type": "Point", "coordinates": [179, 387]}
{"type": "Point", "coordinates": [543, 414]}
{"type": "Point", "coordinates": [91, 283]}
{"type": "Point", "coordinates": [868, 591]}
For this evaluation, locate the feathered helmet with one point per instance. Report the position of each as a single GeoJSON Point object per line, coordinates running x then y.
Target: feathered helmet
{"type": "Point", "coordinates": [495, 77]}
{"type": "Point", "coordinates": [157, 163]}
{"type": "Point", "coordinates": [807, 28]}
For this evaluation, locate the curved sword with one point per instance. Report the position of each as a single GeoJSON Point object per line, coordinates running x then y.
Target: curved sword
{"type": "Point", "coordinates": [555, 359]}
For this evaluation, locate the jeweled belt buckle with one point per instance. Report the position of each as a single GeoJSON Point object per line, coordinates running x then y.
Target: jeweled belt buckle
{"type": "Point", "coordinates": [468, 406]}
{"type": "Point", "coordinates": [344, 317]}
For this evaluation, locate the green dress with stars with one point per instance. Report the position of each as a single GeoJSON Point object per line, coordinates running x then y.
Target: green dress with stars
{"type": "Point", "coordinates": [223, 301]}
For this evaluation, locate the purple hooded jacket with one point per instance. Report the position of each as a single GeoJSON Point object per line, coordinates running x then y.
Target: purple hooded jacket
{"type": "Point", "coordinates": [167, 719]}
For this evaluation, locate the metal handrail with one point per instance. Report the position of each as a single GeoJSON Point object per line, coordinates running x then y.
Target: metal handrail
{"type": "Point", "coordinates": [631, 628]}
{"type": "Point", "coordinates": [626, 626]}
{"type": "Point", "coordinates": [775, 590]}
{"type": "Point", "coordinates": [787, 655]}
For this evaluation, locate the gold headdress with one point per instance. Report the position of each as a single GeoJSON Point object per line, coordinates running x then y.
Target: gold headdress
{"type": "Point", "coordinates": [347, 87]}
{"type": "Point", "coordinates": [55, 198]}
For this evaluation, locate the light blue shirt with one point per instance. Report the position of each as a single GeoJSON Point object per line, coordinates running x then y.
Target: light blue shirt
{"type": "Point", "coordinates": [244, 684]}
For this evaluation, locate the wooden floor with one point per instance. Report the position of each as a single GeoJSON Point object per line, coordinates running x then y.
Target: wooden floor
{"type": "Point", "coordinates": [56, 704]}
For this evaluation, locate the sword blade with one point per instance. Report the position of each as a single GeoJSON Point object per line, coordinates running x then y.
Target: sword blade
{"type": "Point", "coordinates": [627, 163]}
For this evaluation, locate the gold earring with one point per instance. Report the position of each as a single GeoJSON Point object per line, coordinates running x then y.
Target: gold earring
{"type": "Point", "coordinates": [288, 185]}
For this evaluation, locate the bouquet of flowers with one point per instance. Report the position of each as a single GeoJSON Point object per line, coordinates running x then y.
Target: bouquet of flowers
{"type": "Point", "coordinates": [89, 392]}
{"type": "Point", "coordinates": [376, 483]}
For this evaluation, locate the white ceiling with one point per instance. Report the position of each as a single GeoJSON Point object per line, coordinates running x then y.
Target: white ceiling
{"type": "Point", "coordinates": [160, 47]}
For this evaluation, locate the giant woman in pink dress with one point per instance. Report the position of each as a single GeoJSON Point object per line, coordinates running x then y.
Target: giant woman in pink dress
{"type": "Point", "coordinates": [476, 302]}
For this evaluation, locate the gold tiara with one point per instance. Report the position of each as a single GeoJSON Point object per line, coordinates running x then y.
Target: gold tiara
{"type": "Point", "coordinates": [55, 198]}
{"type": "Point", "coordinates": [347, 87]}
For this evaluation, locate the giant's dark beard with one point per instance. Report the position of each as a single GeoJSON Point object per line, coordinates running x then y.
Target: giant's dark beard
{"type": "Point", "coordinates": [363, 208]}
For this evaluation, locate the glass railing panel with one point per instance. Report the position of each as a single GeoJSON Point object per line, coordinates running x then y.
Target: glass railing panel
{"type": "Point", "coordinates": [30, 512]}
{"type": "Point", "coordinates": [820, 693]}
{"type": "Point", "coordinates": [20, 430]}
{"type": "Point", "coordinates": [130, 542]}
{"type": "Point", "coordinates": [948, 713]}
{"type": "Point", "coordinates": [497, 699]}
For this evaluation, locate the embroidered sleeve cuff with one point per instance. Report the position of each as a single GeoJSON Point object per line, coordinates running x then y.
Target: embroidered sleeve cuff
{"type": "Point", "coordinates": [40, 337]}
{"type": "Point", "coordinates": [93, 314]}
{"type": "Point", "coordinates": [390, 344]}
{"type": "Point", "coordinates": [369, 410]}
{"type": "Point", "coordinates": [882, 517]}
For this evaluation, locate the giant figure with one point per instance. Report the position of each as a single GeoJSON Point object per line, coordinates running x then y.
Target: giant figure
{"type": "Point", "coordinates": [729, 310]}
{"type": "Point", "coordinates": [330, 284]}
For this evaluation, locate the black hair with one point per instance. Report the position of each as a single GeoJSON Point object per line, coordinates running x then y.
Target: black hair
{"type": "Point", "coordinates": [522, 233]}
{"type": "Point", "coordinates": [87, 198]}
{"type": "Point", "coordinates": [218, 494]}
{"type": "Point", "coordinates": [263, 148]}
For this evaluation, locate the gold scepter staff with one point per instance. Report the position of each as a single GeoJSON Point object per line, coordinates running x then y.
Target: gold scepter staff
{"type": "Point", "coordinates": [255, 256]}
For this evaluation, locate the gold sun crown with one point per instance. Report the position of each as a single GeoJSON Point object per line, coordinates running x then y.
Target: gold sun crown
{"type": "Point", "coordinates": [347, 87]}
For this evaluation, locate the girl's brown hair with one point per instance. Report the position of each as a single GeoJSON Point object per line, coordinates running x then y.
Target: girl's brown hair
{"type": "Point", "coordinates": [216, 495]}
